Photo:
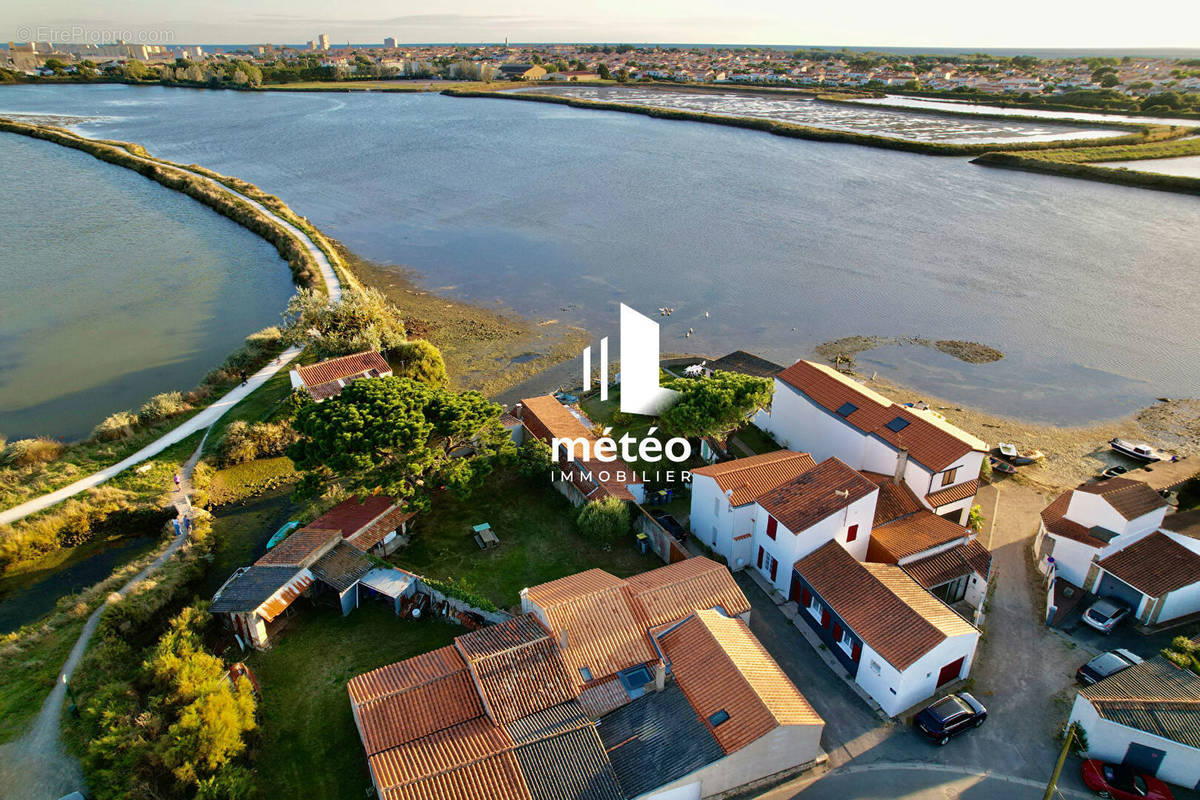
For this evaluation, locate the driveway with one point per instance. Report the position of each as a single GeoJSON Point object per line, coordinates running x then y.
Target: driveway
{"type": "Point", "coordinates": [1125, 636]}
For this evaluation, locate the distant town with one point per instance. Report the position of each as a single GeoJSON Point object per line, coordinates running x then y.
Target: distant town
{"type": "Point", "coordinates": [1098, 80]}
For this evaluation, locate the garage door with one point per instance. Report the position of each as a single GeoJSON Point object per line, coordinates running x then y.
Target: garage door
{"type": "Point", "coordinates": [1117, 589]}
{"type": "Point", "coordinates": [951, 671]}
{"type": "Point", "coordinates": [1143, 758]}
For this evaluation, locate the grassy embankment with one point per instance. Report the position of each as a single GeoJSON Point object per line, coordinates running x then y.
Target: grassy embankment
{"type": "Point", "coordinates": [1151, 133]}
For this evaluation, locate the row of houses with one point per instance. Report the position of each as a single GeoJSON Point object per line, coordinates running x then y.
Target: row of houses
{"type": "Point", "coordinates": [602, 689]}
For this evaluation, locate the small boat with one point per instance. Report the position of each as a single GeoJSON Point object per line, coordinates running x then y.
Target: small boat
{"type": "Point", "coordinates": [1019, 458]}
{"type": "Point", "coordinates": [1138, 450]}
{"type": "Point", "coordinates": [1114, 471]}
{"type": "Point", "coordinates": [1001, 466]}
{"type": "Point", "coordinates": [282, 534]}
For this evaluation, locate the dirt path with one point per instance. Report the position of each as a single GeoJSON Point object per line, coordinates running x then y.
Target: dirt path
{"type": "Point", "coordinates": [36, 767]}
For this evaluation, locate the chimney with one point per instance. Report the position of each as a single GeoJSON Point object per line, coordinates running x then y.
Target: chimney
{"type": "Point", "coordinates": [901, 463]}
{"type": "Point", "coordinates": [660, 677]}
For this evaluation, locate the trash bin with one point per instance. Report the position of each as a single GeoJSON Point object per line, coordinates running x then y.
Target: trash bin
{"type": "Point", "coordinates": [643, 543]}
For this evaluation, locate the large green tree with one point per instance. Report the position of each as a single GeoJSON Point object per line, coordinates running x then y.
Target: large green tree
{"type": "Point", "coordinates": [400, 437]}
{"type": "Point", "coordinates": [715, 405]}
{"type": "Point", "coordinates": [361, 320]}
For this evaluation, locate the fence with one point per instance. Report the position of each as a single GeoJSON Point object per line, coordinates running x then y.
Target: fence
{"type": "Point", "coordinates": [666, 546]}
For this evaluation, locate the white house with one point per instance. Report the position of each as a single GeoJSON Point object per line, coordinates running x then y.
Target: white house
{"type": "Point", "coordinates": [830, 502]}
{"type": "Point", "coordinates": [899, 642]}
{"type": "Point", "coordinates": [1145, 716]}
{"type": "Point", "coordinates": [724, 495]}
{"type": "Point", "coordinates": [1091, 522]}
{"type": "Point", "coordinates": [817, 409]}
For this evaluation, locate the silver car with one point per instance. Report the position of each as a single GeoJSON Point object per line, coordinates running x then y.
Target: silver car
{"type": "Point", "coordinates": [1104, 615]}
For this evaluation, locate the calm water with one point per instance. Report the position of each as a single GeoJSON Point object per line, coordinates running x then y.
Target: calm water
{"type": "Point", "coordinates": [562, 213]}
{"type": "Point", "coordinates": [1185, 166]}
{"type": "Point", "coordinates": [114, 289]}
{"type": "Point", "coordinates": [922, 127]}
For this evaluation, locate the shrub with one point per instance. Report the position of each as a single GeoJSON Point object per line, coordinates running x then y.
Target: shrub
{"type": "Point", "coordinates": [362, 320]}
{"type": "Point", "coordinates": [161, 406]}
{"type": "Point", "coordinates": [258, 348]}
{"type": "Point", "coordinates": [27, 452]}
{"type": "Point", "coordinates": [115, 426]}
{"type": "Point", "coordinates": [420, 361]}
{"type": "Point", "coordinates": [461, 590]}
{"type": "Point", "coordinates": [534, 459]}
{"type": "Point", "coordinates": [604, 520]}
{"type": "Point", "coordinates": [244, 441]}
{"type": "Point", "coordinates": [1079, 742]}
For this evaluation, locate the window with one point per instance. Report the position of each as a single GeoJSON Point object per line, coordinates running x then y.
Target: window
{"type": "Point", "coordinates": [719, 717]}
{"type": "Point", "coordinates": [846, 409]}
{"type": "Point", "coordinates": [772, 526]}
{"type": "Point", "coordinates": [851, 533]}
{"type": "Point", "coordinates": [898, 424]}
{"type": "Point", "coordinates": [585, 673]}
{"type": "Point", "coordinates": [814, 607]}
{"type": "Point", "coordinates": [948, 476]}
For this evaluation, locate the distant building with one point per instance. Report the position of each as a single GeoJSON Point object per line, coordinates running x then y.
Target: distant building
{"type": "Point", "coordinates": [323, 41]}
{"type": "Point", "coordinates": [521, 72]}
{"type": "Point", "coordinates": [390, 43]}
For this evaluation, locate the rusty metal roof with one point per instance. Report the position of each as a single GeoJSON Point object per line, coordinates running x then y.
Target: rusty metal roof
{"type": "Point", "coordinates": [283, 598]}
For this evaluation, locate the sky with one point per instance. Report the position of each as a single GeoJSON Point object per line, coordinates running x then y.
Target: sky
{"type": "Point", "coordinates": [1032, 24]}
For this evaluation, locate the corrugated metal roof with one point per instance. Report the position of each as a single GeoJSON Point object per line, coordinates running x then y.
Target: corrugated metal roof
{"type": "Point", "coordinates": [571, 765]}
{"type": "Point", "coordinates": [251, 589]}
{"type": "Point", "coordinates": [894, 626]}
{"type": "Point", "coordinates": [747, 478]}
{"type": "Point", "coordinates": [548, 722]}
{"type": "Point", "coordinates": [341, 567]}
{"type": "Point", "coordinates": [672, 592]}
{"type": "Point", "coordinates": [912, 534]}
{"type": "Point", "coordinates": [655, 740]}
{"type": "Point", "coordinates": [932, 442]}
{"type": "Point", "coordinates": [720, 666]}
{"type": "Point", "coordinates": [813, 495]}
{"type": "Point", "coordinates": [344, 367]}
{"type": "Point", "coordinates": [374, 533]}
{"type": "Point", "coordinates": [1155, 565]}
{"type": "Point", "coordinates": [1155, 696]}
{"type": "Point", "coordinates": [285, 596]}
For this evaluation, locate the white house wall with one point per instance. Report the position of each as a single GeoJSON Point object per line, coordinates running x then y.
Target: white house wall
{"type": "Point", "coordinates": [1109, 741]}
{"type": "Point", "coordinates": [897, 691]}
{"type": "Point", "coordinates": [796, 423]}
{"type": "Point", "coordinates": [788, 547]}
{"type": "Point", "coordinates": [704, 517]}
{"type": "Point", "coordinates": [1181, 602]}
{"type": "Point", "coordinates": [1072, 559]}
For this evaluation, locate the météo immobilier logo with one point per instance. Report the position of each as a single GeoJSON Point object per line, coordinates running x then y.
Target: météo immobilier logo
{"type": "Point", "coordinates": [640, 394]}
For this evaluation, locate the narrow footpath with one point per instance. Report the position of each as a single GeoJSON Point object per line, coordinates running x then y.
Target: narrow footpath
{"type": "Point", "coordinates": [212, 413]}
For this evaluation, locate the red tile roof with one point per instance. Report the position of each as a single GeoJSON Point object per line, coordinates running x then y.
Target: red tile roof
{"type": "Point", "coordinates": [813, 495]}
{"type": "Point", "coordinates": [1130, 498]}
{"type": "Point", "coordinates": [670, 593]}
{"type": "Point", "coordinates": [951, 564]}
{"type": "Point", "coordinates": [438, 752]}
{"type": "Point", "coordinates": [720, 666]}
{"type": "Point", "coordinates": [497, 777]}
{"type": "Point", "coordinates": [933, 443]}
{"type": "Point", "coordinates": [351, 516]}
{"type": "Point", "coordinates": [419, 711]}
{"type": "Point", "coordinates": [344, 367]}
{"type": "Point", "coordinates": [1056, 522]}
{"type": "Point", "coordinates": [1155, 565]}
{"type": "Point", "coordinates": [747, 478]}
{"type": "Point", "coordinates": [952, 494]}
{"type": "Point", "coordinates": [895, 499]}
{"type": "Point", "coordinates": [890, 611]}
{"type": "Point", "coordinates": [404, 675]}
{"type": "Point", "coordinates": [374, 533]}
{"type": "Point", "coordinates": [546, 418]}
{"type": "Point", "coordinates": [1185, 523]}
{"type": "Point", "coordinates": [912, 534]}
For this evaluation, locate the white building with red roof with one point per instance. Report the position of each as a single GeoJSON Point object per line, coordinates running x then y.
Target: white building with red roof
{"type": "Point", "coordinates": [326, 379]}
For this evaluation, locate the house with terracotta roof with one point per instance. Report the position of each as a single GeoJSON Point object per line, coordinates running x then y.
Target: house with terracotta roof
{"type": "Point", "coordinates": [724, 495]}
{"type": "Point", "coordinates": [898, 641]}
{"type": "Point", "coordinates": [1092, 522]}
{"type": "Point", "coordinates": [327, 558]}
{"type": "Point", "coordinates": [326, 379]}
{"type": "Point", "coordinates": [1146, 716]}
{"type": "Point", "coordinates": [819, 410]}
{"type": "Point", "coordinates": [580, 478]}
{"type": "Point", "coordinates": [507, 712]}
{"type": "Point", "coordinates": [829, 503]}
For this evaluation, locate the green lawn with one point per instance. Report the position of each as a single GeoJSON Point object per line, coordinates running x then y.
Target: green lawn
{"type": "Point", "coordinates": [538, 540]}
{"type": "Point", "coordinates": [757, 440]}
{"type": "Point", "coordinates": [310, 746]}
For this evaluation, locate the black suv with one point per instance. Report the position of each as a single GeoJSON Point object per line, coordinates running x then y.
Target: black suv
{"type": "Point", "coordinates": [950, 716]}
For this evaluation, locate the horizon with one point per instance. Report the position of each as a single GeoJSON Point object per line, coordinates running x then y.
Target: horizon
{"type": "Point", "coordinates": [932, 25]}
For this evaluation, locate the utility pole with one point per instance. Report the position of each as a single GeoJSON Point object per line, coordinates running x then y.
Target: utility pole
{"type": "Point", "coordinates": [1062, 759]}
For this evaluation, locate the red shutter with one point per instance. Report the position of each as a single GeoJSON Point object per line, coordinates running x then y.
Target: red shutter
{"type": "Point", "coordinates": [774, 564]}
{"type": "Point", "coordinates": [760, 555]}
{"type": "Point", "coordinates": [851, 533]}
{"type": "Point", "coordinates": [856, 651]}
{"type": "Point", "coordinates": [837, 632]}
{"type": "Point", "coordinates": [824, 617]}
{"type": "Point", "coordinates": [806, 597]}
{"type": "Point", "coordinates": [772, 526]}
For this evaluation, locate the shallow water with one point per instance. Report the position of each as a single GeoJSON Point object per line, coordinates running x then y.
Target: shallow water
{"type": "Point", "coordinates": [1185, 166]}
{"type": "Point", "coordinates": [114, 289]}
{"type": "Point", "coordinates": [1088, 288]}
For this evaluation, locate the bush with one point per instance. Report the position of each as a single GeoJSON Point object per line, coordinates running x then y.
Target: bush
{"type": "Point", "coordinates": [115, 426]}
{"type": "Point", "coordinates": [361, 320]}
{"type": "Point", "coordinates": [160, 407]}
{"type": "Point", "coordinates": [420, 361]}
{"type": "Point", "coordinates": [258, 348]}
{"type": "Point", "coordinates": [244, 441]}
{"type": "Point", "coordinates": [604, 520]}
{"type": "Point", "coordinates": [28, 452]}
{"type": "Point", "coordinates": [534, 459]}
{"type": "Point", "coordinates": [460, 590]}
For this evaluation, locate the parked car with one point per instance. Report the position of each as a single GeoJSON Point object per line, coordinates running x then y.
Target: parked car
{"type": "Point", "coordinates": [1122, 783]}
{"type": "Point", "coordinates": [1106, 664]}
{"type": "Point", "coordinates": [1105, 614]}
{"type": "Point", "coordinates": [950, 716]}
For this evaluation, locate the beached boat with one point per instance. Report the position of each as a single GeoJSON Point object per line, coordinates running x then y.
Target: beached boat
{"type": "Point", "coordinates": [1019, 458]}
{"type": "Point", "coordinates": [1138, 450]}
{"type": "Point", "coordinates": [1001, 466]}
{"type": "Point", "coordinates": [282, 534]}
{"type": "Point", "coordinates": [1114, 471]}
